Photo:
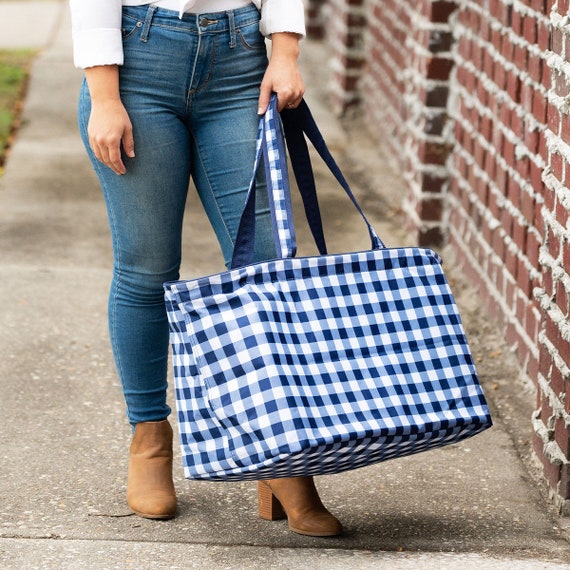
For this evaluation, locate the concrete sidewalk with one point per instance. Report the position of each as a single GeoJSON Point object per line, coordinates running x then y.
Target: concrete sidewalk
{"type": "Point", "coordinates": [64, 435]}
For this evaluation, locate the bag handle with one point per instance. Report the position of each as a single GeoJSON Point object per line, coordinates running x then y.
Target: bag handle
{"type": "Point", "coordinates": [270, 149]}
{"type": "Point", "coordinates": [297, 123]}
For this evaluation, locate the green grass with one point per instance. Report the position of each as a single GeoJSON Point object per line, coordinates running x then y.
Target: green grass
{"type": "Point", "coordinates": [14, 66]}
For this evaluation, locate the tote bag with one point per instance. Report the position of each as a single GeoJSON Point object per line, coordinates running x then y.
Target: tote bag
{"type": "Point", "coordinates": [314, 365]}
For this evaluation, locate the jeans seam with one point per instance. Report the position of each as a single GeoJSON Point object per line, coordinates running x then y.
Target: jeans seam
{"type": "Point", "coordinates": [116, 280]}
{"type": "Point", "coordinates": [213, 194]}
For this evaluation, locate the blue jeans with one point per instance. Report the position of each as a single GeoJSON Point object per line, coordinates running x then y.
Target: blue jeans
{"type": "Point", "coordinates": [191, 89]}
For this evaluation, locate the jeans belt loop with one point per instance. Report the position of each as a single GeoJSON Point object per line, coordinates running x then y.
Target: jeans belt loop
{"type": "Point", "coordinates": [232, 24]}
{"type": "Point", "coordinates": [147, 22]}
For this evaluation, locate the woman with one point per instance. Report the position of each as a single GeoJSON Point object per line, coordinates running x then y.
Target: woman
{"type": "Point", "coordinates": [173, 90]}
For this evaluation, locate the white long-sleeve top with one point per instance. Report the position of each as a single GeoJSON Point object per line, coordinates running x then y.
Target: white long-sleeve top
{"type": "Point", "coordinates": [96, 24]}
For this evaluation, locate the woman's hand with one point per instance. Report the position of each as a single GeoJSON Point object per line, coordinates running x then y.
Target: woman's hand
{"type": "Point", "coordinates": [109, 127]}
{"type": "Point", "coordinates": [282, 75]}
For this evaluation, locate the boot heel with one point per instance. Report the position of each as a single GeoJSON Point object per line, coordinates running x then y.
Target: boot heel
{"type": "Point", "coordinates": [269, 508]}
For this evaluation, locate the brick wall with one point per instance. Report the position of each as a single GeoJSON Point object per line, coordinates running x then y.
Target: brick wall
{"type": "Point", "coordinates": [342, 22]}
{"type": "Point", "coordinates": [552, 417]}
{"type": "Point", "coordinates": [474, 98]}
{"type": "Point", "coordinates": [405, 91]}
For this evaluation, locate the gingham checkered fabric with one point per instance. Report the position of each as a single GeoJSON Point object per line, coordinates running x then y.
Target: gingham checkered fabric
{"type": "Point", "coordinates": [318, 365]}
{"type": "Point", "coordinates": [270, 147]}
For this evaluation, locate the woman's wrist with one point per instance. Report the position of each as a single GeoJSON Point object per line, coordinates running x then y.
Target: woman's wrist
{"type": "Point", "coordinates": [103, 82]}
{"type": "Point", "coordinates": [285, 44]}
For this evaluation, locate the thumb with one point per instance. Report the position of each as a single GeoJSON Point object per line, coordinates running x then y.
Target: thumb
{"type": "Point", "coordinates": [264, 97]}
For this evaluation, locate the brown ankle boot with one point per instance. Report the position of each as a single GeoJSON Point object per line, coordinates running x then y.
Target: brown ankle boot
{"type": "Point", "coordinates": [150, 489]}
{"type": "Point", "coordinates": [297, 499]}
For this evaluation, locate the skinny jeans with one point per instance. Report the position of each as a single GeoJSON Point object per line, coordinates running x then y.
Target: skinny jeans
{"type": "Point", "coordinates": [191, 88]}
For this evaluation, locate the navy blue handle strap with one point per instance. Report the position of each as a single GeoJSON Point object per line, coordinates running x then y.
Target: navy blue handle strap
{"type": "Point", "coordinates": [298, 121]}
{"type": "Point", "coordinates": [303, 170]}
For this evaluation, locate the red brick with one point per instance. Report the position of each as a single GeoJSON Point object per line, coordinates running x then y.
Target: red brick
{"type": "Point", "coordinates": [431, 209]}
{"type": "Point", "coordinates": [557, 165]}
{"type": "Point", "coordinates": [505, 114]}
{"type": "Point", "coordinates": [507, 47]}
{"type": "Point", "coordinates": [546, 411]}
{"type": "Point", "coordinates": [501, 179]}
{"type": "Point", "coordinates": [536, 177]}
{"type": "Point", "coordinates": [441, 10]}
{"type": "Point", "coordinates": [488, 64]}
{"type": "Point", "coordinates": [561, 214]}
{"type": "Point", "coordinates": [543, 36]}
{"type": "Point", "coordinates": [553, 245]}
{"type": "Point", "coordinates": [539, 108]}
{"type": "Point", "coordinates": [498, 245]}
{"type": "Point", "coordinates": [514, 86]}
{"type": "Point", "coordinates": [530, 138]}
{"type": "Point", "coordinates": [551, 330]}
{"type": "Point", "coordinates": [529, 29]}
{"type": "Point", "coordinates": [561, 435]}
{"type": "Point", "coordinates": [546, 77]}
{"type": "Point", "coordinates": [433, 152]}
{"type": "Point", "coordinates": [478, 153]}
{"type": "Point", "coordinates": [527, 206]}
{"type": "Point", "coordinates": [553, 117]}
{"type": "Point", "coordinates": [482, 190]}
{"type": "Point", "coordinates": [509, 152]}
{"type": "Point", "coordinates": [545, 363]}
{"type": "Point", "coordinates": [532, 248]}
{"type": "Point", "coordinates": [535, 64]}
{"type": "Point", "coordinates": [525, 284]}
{"type": "Point", "coordinates": [433, 183]}
{"type": "Point", "coordinates": [511, 335]}
{"type": "Point", "coordinates": [549, 197]}
{"type": "Point", "coordinates": [560, 84]}
{"type": "Point", "coordinates": [484, 29]}
{"type": "Point", "coordinates": [556, 381]}
{"type": "Point", "coordinates": [519, 233]}
{"type": "Point", "coordinates": [531, 326]}
{"type": "Point", "coordinates": [437, 96]}
{"type": "Point", "coordinates": [486, 128]}
{"type": "Point", "coordinates": [517, 125]}
{"type": "Point", "coordinates": [557, 41]}
{"type": "Point", "coordinates": [511, 262]}
{"type": "Point", "coordinates": [520, 57]}
{"type": "Point", "coordinates": [551, 471]}
{"type": "Point", "coordinates": [527, 96]}
{"type": "Point", "coordinates": [514, 191]}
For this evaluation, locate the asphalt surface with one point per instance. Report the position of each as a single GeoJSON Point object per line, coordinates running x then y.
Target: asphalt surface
{"type": "Point", "coordinates": [63, 448]}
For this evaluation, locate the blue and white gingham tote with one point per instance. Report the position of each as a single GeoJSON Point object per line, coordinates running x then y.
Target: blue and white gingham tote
{"type": "Point", "coordinates": [305, 366]}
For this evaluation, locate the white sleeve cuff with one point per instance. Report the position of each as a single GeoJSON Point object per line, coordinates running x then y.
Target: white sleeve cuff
{"type": "Point", "coordinates": [282, 16]}
{"type": "Point", "coordinates": [97, 47]}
